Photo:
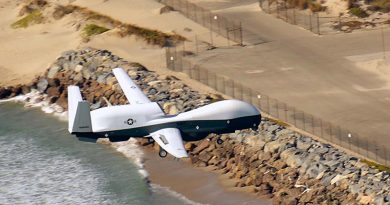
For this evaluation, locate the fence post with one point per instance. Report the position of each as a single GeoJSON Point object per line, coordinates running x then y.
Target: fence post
{"type": "Point", "coordinates": [269, 7]}
{"type": "Point", "coordinates": [312, 124]}
{"type": "Point", "coordinates": [227, 37]}
{"type": "Point", "coordinates": [195, 13]}
{"type": "Point", "coordinates": [269, 112]}
{"type": "Point", "coordinates": [357, 145]}
{"type": "Point", "coordinates": [285, 7]}
{"type": "Point", "coordinates": [339, 136]}
{"type": "Point", "coordinates": [318, 24]}
{"type": "Point", "coordinates": [339, 22]}
{"type": "Point", "coordinates": [376, 151]}
{"type": "Point", "coordinates": [386, 162]}
{"type": "Point", "coordinates": [187, 12]}
{"type": "Point", "coordinates": [211, 30]}
{"type": "Point", "coordinates": [311, 26]}
{"type": "Point", "coordinates": [241, 35]}
{"type": "Point", "coordinates": [285, 112]}
{"type": "Point", "coordinates": [174, 59]}
{"type": "Point", "coordinates": [330, 133]}
{"type": "Point", "coordinates": [304, 121]}
{"type": "Point", "coordinates": [367, 147]}
{"type": "Point", "coordinates": [295, 117]}
{"type": "Point", "coordinates": [196, 44]}
{"type": "Point", "coordinates": [203, 17]}
{"type": "Point", "coordinates": [295, 20]}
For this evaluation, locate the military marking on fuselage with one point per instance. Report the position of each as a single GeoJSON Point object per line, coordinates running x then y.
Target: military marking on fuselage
{"type": "Point", "coordinates": [130, 121]}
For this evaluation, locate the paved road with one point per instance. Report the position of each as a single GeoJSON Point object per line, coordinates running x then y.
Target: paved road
{"type": "Point", "coordinates": [308, 71]}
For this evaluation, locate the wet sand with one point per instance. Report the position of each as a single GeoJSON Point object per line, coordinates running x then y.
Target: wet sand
{"type": "Point", "coordinates": [198, 185]}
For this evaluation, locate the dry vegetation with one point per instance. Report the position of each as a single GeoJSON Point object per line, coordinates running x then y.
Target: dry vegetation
{"type": "Point", "coordinates": [96, 23]}
{"type": "Point", "coordinates": [379, 5]}
{"type": "Point", "coordinates": [355, 7]}
{"type": "Point", "coordinates": [377, 166]}
{"type": "Point", "coordinates": [150, 36]}
{"type": "Point", "coordinates": [32, 12]}
{"type": "Point", "coordinates": [32, 18]}
{"type": "Point", "coordinates": [93, 29]}
{"type": "Point", "coordinates": [305, 4]}
{"type": "Point", "coordinates": [32, 5]}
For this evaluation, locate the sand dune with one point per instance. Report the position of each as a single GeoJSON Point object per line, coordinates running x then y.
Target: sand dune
{"type": "Point", "coordinates": [26, 52]}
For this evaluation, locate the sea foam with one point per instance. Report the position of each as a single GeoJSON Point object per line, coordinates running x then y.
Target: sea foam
{"type": "Point", "coordinates": [130, 149]}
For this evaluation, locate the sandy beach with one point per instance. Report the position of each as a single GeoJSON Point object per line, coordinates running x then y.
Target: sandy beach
{"type": "Point", "coordinates": [197, 184]}
{"type": "Point", "coordinates": [27, 52]}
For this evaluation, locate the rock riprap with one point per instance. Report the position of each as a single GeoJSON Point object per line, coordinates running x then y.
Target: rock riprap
{"type": "Point", "coordinates": [272, 162]}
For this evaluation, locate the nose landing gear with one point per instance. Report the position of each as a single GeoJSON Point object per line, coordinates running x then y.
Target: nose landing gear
{"type": "Point", "coordinates": [255, 127]}
{"type": "Point", "coordinates": [219, 141]}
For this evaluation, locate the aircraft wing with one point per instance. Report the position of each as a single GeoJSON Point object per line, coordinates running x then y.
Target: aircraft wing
{"type": "Point", "coordinates": [170, 140]}
{"type": "Point", "coordinates": [132, 92]}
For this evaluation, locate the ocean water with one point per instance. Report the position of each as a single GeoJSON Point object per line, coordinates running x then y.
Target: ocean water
{"type": "Point", "coordinates": [40, 163]}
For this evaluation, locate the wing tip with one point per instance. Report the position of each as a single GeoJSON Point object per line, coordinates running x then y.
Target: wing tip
{"type": "Point", "coordinates": [118, 69]}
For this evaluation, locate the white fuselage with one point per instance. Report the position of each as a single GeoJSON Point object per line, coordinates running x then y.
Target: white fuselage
{"type": "Point", "coordinates": [146, 118]}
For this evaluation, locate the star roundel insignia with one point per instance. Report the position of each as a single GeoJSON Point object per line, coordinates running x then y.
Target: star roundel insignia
{"type": "Point", "coordinates": [130, 121]}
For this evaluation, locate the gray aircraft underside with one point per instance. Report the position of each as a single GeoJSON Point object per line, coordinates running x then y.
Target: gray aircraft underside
{"type": "Point", "coordinates": [143, 118]}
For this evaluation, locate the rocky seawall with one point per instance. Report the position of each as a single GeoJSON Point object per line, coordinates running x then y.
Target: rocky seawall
{"type": "Point", "coordinates": [273, 162]}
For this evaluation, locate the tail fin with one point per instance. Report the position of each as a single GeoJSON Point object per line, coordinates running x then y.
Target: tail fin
{"type": "Point", "coordinates": [78, 112]}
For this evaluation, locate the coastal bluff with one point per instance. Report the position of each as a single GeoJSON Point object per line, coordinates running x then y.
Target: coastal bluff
{"type": "Point", "coordinates": [273, 162]}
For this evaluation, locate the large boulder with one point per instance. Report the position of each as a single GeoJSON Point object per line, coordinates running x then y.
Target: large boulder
{"type": "Point", "coordinates": [54, 91]}
{"type": "Point", "coordinates": [42, 85]}
{"type": "Point", "coordinates": [304, 143]}
{"type": "Point", "coordinates": [202, 145]}
{"type": "Point", "coordinates": [53, 71]}
{"type": "Point", "coordinates": [292, 157]}
{"type": "Point", "coordinates": [272, 146]}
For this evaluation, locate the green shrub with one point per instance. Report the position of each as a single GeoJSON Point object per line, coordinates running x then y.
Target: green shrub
{"type": "Point", "coordinates": [93, 29]}
{"type": "Point", "coordinates": [32, 18]}
{"type": "Point", "coordinates": [359, 12]}
{"type": "Point", "coordinates": [376, 166]}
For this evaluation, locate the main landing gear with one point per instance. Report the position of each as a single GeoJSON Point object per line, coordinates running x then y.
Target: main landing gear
{"type": "Point", "coordinates": [162, 153]}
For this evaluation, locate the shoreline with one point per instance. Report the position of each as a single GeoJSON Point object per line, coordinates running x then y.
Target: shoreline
{"type": "Point", "coordinates": [200, 185]}
{"type": "Point", "coordinates": [160, 174]}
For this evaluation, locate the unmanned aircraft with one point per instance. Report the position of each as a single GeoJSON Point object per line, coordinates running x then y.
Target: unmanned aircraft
{"type": "Point", "coordinates": [143, 118]}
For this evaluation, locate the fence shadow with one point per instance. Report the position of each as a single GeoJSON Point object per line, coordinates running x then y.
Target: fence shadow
{"type": "Point", "coordinates": [327, 131]}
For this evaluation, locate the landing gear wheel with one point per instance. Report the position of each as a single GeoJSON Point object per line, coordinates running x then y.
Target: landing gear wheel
{"type": "Point", "coordinates": [219, 141]}
{"type": "Point", "coordinates": [162, 153]}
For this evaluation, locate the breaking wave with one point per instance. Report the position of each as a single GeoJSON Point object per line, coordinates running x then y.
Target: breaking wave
{"type": "Point", "coordinates": [31, 175]}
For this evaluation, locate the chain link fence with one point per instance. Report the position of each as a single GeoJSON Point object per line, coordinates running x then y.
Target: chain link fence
{"type": "Point", "coordinates": [311, 21]}
{"type": "Point", "coordinates": [225, 27]}
{"type": "Point", "coordinates": [177, 61]}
